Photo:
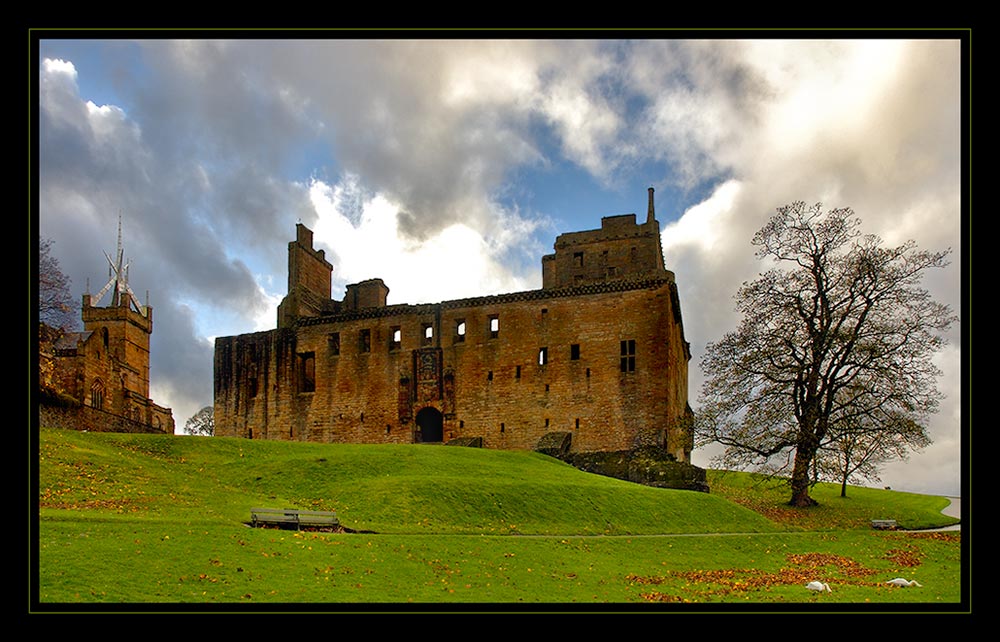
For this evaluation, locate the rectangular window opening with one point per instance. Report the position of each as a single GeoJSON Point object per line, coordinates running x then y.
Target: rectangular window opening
{"type": "Point", "coordinates": [365, 341]}
{"type": "Point", "coordinates": [628, 355]}
{"type": "Point", "coordinates": [460, 330]}
{"type": "Point", "coordinates": [397, 338]}
{"type": "Point", "coordinates": [494, 326]}
{"type": "Point", "coordinates": [428, 331]}
{"type": "Point", "coordinates": [307, 372]}
{"type": "Point", "coordinates": [517, 373]}
{"type": "Point", "coordinates": [543, 356]}
{"type": "Point", "coordinates": [578, 259]}
{"type": "Point", "coordinates": [574, 352]}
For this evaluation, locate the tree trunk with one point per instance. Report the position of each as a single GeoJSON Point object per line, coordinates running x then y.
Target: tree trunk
{"type": "Point", "coordinates": [800, 479]}
{"type": "Point", "coordinates": [843, 487]}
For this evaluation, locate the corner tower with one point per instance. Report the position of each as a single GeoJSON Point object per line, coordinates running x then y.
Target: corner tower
{"type": "Point", "coordinates": [621, 249]}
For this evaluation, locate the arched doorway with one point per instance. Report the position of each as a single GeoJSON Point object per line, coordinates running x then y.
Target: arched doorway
{"type": "Point", "coordinates": [430, 426]}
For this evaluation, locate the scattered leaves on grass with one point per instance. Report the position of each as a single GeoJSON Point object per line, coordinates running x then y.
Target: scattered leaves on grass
{"type": "Point", "coordinates": [906, 558]}
{"type": "Point", "coordinates": [803, 568]}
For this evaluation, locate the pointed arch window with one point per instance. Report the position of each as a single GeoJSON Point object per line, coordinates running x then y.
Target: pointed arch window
{"type": "Point", "coordinates": [97, 390]}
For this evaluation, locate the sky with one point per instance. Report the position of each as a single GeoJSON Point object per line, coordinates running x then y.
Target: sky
{"type": "Point", "coordinates": [410, 156]}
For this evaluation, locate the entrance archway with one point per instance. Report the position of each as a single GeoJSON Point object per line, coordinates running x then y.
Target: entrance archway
{"type": "Point", "coordinates": [430, 426]}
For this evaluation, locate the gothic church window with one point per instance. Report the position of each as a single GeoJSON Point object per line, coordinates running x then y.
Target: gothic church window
{"type": "Point", "coordinates": [97, 395]}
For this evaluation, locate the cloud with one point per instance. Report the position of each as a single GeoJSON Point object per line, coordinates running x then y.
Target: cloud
{"type": "Point", "coordinates": [365, 240]}
{"type": "Point", "coordinates": [95, 165]}
{"type": "Point", "coordinates": [410, 157]}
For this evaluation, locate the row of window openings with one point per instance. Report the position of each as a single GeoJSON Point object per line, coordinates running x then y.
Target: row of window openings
{"type": "Point", "coordinates": [503, 426]}
{"type": "Point", "coordinates": [427, 336]}
{"type": "Point", "coordinates": [633, 256]}
{"type": "Point", "coordinates": [308, 361]}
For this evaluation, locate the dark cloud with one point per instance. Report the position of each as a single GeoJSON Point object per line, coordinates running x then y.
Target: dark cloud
{"type": "Point", "coordinates": [205, 158]}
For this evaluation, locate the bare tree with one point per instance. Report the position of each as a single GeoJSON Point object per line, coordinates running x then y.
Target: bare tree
{"type": "Point", "coordinates": [201, 422]}
{"type": "Point", "coordinates": [838, 337]}
{"type": "Point", "coordinates": [55, 306]}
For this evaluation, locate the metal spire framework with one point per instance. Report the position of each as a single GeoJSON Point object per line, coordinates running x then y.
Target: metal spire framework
{"type": "Point", "coordinates": [118, 278]}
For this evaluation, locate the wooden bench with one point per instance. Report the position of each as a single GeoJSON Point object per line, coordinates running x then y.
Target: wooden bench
{"type": "Point", "coordinates": [884, 524]}
{"type": "Point", "coordinates": [289, 517]}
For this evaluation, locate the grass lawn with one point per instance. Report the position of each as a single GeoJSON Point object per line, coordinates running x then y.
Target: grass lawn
{"type": "Point", "coordinates": [128, 520]}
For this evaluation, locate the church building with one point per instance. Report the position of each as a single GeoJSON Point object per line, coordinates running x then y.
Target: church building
{"type": "Point", "coordinates": [104, 370]}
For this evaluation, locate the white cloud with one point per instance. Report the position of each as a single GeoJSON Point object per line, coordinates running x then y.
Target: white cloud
{"type": "Point", "coordinates": [702, 228]}
{"type": "Point", "coordinates": [455, 262]}
{"type": "Point", "coordinates": [50, 65]}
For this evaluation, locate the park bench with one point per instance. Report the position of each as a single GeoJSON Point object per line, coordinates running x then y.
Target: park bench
{"type": "Point", "coordinates": [884, 524]}
{"type": "Point", "coordinates": [292, 517]}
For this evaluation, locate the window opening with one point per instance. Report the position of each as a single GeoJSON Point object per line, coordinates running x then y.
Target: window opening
{"type": "Point", "coordinates": [307, 372]}
{"type": "Point", "coordinates": [517, 373]}
{"type": "Point", "coordinates": [494, 326]}
{"type": "Point", "coordinates": [543, 356]}
{"type": "Point", "coordinates": [97, 395]}
{"type": "Point", "coordinates": [628, 355]}
{"type": "Point", "coordinates": [574, 352]}
{"type": "Point", "coordinates": [428, 330]}
{"type": "Point", "coordinates": [578, 259]}
{"type": "Point", "coordinates": [460, 330]}
{"type": "Point", "coordinates": [397, 338]}
{"type": "Point", "coordinates": [365, 341]}
{"type": "Point", "coordinates": [333, 341]}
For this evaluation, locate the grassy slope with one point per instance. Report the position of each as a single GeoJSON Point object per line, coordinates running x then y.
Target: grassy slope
{"type": "Point", "coordinates": [386, 489]}
{"type": "Point", "coordinates": [128, 518]}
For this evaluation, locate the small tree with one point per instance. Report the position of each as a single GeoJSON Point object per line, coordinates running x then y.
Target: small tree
{"type": "Point", "coordinates": [837, 340]}
{"type": "Point", "coordinates": [863, 448]}
{"type": "Point", "coordinates": [55, 306]}
{"type": "Point", "coordinates": [201, 423]}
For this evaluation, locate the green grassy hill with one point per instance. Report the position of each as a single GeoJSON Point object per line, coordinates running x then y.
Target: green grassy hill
{"type": "Point", "coordinates": [385, 489]}
{"type": "Point", "coordinates": [162, 519]}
